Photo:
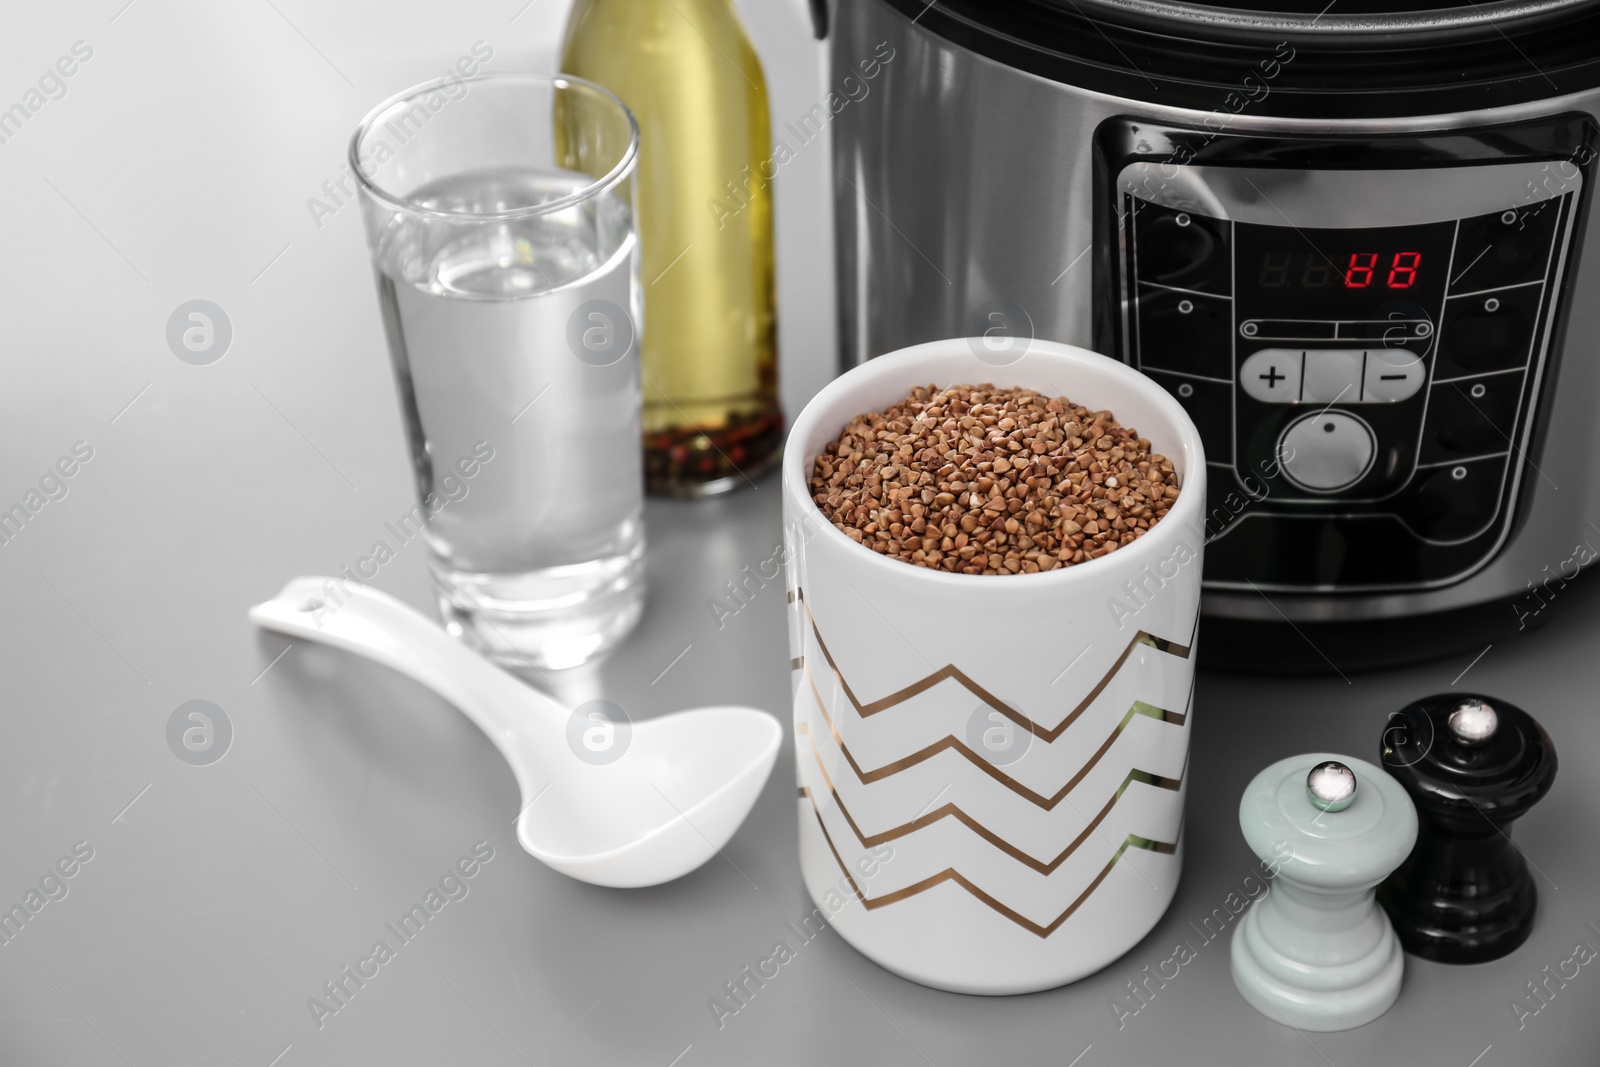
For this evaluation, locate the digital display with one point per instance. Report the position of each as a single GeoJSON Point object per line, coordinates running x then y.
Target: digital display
{"type": "Point", "coordinates": [1353, 270]}
{"type": "Point", "coordinates": [1339, 275]}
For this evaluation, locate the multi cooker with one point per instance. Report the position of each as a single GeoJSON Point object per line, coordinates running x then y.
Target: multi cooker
{"type": "Point", "coordinates": [1349, 237]}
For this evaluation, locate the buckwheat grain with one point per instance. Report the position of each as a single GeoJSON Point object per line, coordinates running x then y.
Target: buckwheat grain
{"type": "Point", "coordinates": [980, 480]}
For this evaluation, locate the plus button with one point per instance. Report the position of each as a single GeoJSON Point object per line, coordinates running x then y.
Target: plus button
{"type": "Point", "coordinates": [1272, 375]}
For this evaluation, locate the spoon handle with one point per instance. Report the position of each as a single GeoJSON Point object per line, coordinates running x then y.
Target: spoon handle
{"type": "Point", "coordinates": [359, 619]}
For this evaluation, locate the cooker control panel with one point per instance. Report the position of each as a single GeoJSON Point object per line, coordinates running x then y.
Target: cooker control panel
{"type": "Point", "coordinates": [1362, 352]}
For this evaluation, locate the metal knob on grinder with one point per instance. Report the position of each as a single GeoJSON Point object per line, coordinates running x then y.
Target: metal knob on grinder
{"type": "Point", "coordinates": [1473, 722]}
{"type": "Point", "coordinates": [1331, 786]}
{"type": "Point", "coordinates": [1472, 765]}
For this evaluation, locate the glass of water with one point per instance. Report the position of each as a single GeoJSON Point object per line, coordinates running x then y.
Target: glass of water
{"type": "Point", "coordinates": [499, 215]}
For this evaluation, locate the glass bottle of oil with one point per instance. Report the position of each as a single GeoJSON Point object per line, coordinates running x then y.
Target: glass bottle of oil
{"type": "Point", "coordinates": [708, 345]}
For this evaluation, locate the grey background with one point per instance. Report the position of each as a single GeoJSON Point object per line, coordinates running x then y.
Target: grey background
{"type": "Point", "coordinates": [221, 897]}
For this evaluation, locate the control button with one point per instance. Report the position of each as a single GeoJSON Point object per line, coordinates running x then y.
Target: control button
{"type": "Point", "coordinates": [1472, 417]}
{"type": "Point", "coordinates": [1185, 332]}
{"type": "Point", "coordinates": [1392, 375]}
{"type": "Point", "coordinates": [1326, 452]}
{"type": "Point", "coordinates": [1273, 375]}
{"type": "Point", "coordinates": [1331, 376]}
{"type": "Point", "coordinates": [1457, 501]}
{"type": "Point", "coordinates": [1180, 248]}
{"type": "Point", "coordinates": [1488, 332]}
{"type": "Point", "coordinates": [1209, 404]}
{"type": "Point", "coordinates": [1505, 247]}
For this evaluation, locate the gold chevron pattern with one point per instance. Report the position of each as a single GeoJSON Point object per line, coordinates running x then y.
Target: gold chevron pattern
{"type": "Point", "coordinates": [953, 673]}
{"type": "Point", "coordinates": [953, 811]}
{"type": "Point", "coordinates": [955, 744]}
{"type": "Point", "coordinates": [950, 874]}
{"type": "Point", "coordinates": [950, 672]}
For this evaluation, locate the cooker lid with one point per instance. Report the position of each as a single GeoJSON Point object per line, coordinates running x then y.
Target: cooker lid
{"type": "Point", "coordinates": [1322, 17]}
{"type": "Point", "coordinates": [1299, 58]}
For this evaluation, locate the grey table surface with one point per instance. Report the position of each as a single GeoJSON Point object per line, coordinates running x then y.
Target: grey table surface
{"type": "Point", "coordinates": [219, 899]}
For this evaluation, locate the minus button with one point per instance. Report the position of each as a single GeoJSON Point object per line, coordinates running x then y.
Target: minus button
{"type": "Point", "coordinates": [1392, 375]}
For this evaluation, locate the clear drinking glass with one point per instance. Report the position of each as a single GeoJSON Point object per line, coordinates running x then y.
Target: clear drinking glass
{"type": "Point", "coordinates": [499, 215]}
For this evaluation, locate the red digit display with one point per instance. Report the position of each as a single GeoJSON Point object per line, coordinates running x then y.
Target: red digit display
{"type": "Point", "coordinates": [1358, 275]}
{"type": "Point", "coordinates": [1346, 274]}
{"type": "Point", "coordinates": [1403, 269]}
{"type": "Point", "coordinates": [1313, 270]}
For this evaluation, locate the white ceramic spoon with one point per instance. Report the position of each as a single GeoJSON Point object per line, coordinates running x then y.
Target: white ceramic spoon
{"type": "Point", "coordinates": [668, 804]}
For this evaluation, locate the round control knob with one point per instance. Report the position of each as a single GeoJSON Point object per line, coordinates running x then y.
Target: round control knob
{"type": "Point", "coordinates": [1327, 451]}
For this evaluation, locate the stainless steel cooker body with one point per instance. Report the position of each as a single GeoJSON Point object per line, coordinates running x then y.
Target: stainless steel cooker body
{"type": "Point", "coordinates": [975, 198]}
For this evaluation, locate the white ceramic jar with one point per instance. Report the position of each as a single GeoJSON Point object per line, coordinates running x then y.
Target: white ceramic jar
{"type": "Point", "coordinates": [992, 768]}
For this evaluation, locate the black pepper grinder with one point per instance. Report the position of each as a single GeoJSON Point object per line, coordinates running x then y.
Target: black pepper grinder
{"type": "Point", "coordinates": [1472, 765]}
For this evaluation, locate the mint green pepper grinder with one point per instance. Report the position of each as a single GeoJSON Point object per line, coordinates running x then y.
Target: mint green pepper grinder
{"type": "Point", "coordinates": [1316, 952]}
